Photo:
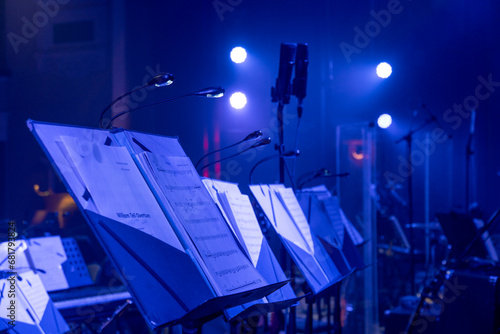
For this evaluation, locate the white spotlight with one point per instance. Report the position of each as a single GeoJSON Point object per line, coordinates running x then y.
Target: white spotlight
{"type": "Point", "coordinates": [384, 70]}
{"type": "Point", "coordinates": [384, 121]}
{"type": "Point", "coordinates": [238, 100]}
{"type": "Point", "coordinates": [238, 55]}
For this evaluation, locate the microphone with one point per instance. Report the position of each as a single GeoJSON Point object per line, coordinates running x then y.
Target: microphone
{"type": "Point", "coordinates": [213, 92]}
{"type": "Point", "coordinates": [300, 80]}
{"type": "Point", "coordinates": [161, 80]}
{"type": "Point", "coordinates": [253, 135]}
{"type": "Point", "coordinates": [262, 142]}
{"type": "Point", "coordinates": [281, 92]}
{"type": "Point", "coordinates": [210, 92]}
{"type": "Point", "coordinates": [323, 172]}
{"type": "Point", "coordinates": [287, 154]}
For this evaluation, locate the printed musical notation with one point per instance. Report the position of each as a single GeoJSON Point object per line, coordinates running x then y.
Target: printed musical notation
{"type": "Point", "coordinates": [292, 206]}
{"type": "Point", "coordinates": [118, 188]}
{"type": "Point", "coordinates": [195, 211]}
{"type": "Point", "coordinates": [232, 270]}
{"type": "Point", "coordinates": [281, 220]}
{"type": "Point", "coordinates": [239, 208]}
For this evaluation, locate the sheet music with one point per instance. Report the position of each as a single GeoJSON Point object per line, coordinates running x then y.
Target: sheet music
{"type": "Point", "coordinates": [246, 223]}
{"type": "Point", "coordinates": [214, 188]}
{"type": "Point", "coordinates": [21, 256]}
{"type": "Point", "coordinates": [290, 203]}
{"type": "Point", "coordinates": [333, 211]}
{"type": "Point", "coordinates": [119, 190]}
{"type": "Point", "coordinates": [48, 255]}
{"type": "Point", "coordinates": [319, 222]}
{"type": "Point", "coordinates": [229, 270]}
{"type": "Point", "coordinates": [356, 237]}
{"type": "Point", "coordinates": [280, 219]}
{"type": "Point", "coordinates": [51, 134]}
{"type": "Point", "coordinates": [32, 296]}
{"type": "Point", "coordinates": [320, 191]}
{"type": "Point", "coordinates": [340, 221]}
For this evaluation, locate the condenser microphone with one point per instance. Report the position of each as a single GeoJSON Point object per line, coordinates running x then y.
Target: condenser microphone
{"type": "Point", "coordinates": [281, 92]}
{"type": "Point", "coordinates": [323, 172]}
{"type": "Point", "coordinates": [210, 92]}
{"type": "Point", "coordinates": [300, 80]}
{"type": "Point", "coordinates": [262, 142]}
{"type": "Point", "coordinates": [254, 135]}
{"type": "Point", "coordinates": [161, 80]}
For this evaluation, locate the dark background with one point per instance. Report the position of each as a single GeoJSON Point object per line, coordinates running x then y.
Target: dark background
{"type": "Point", "coordinates": [89, 52]}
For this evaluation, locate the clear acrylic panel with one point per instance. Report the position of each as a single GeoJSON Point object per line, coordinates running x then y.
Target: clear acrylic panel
{"type": "Point", "coordinates": [356, 155]}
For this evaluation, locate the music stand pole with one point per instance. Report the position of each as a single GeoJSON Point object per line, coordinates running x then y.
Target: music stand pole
{"type": "Point", "coordinates": [292, 316]}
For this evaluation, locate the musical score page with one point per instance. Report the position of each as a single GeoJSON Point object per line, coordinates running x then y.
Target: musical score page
{"type": "Point", "coordinates": [229, 270]}
{"type": "Point", "coordinates": [245, 221]}
{"type": "Point", "coordinates": [118, 189]}
{"type": "Point", "coordinates": [292, 206]}
{"type": "Point", "coordinates": [268, 199]}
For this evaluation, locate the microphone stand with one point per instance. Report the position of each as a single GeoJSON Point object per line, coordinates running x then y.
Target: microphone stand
{"type": "Point", "coordinates": [409, 138]}
{"type": "Point", "coordinates": [281, 145]}
{"type": "Point", "coordinates": [281, 94]}
{"type": "Point", "coordinates": [469, 152]}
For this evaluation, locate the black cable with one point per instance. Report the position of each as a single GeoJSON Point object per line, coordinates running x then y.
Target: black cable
{"type": "Point", "coordinates": [258, 163]}
{"type": "Point", "coordinates": [296, 143]}
{"type": "Point", "coordinates": [288, 154]}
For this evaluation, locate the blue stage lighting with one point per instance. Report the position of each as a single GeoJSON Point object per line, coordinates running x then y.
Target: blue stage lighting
{"type": "Point", "coordinates": [384, 121]}
{"type": "Point", "coordinates": [384, 70]}
{"type": "Point", "coordinates": [238, 100]}
{"type": "Point", "coordinates": [238, 54]}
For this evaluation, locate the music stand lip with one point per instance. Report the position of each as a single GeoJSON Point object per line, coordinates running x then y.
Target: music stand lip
{"type": "Point", "coordinates": [214, 307]}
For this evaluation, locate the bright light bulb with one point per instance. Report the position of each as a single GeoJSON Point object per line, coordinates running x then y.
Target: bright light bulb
{"type": "Point", "coordinates": [238, 54]}
{"type": "Point", "coordinates": [384, 121]}
{"type": "Point", "coordinates": [238, 100]}
{"type": "Point", "coordinates": [384, 70]}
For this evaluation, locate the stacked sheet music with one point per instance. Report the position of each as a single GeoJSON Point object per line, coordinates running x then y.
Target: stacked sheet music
{"type": "Point", "coordinates": [158, 224]}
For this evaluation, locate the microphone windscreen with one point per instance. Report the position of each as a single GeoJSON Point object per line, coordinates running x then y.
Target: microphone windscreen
{"type": "Point", "coordinates": [253, 135]}
{"type": "Point", "coordinates": [262, 142]}
{"type": "Point", "coordinates": [163, 79]}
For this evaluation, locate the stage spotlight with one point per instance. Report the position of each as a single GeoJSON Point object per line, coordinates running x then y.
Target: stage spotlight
{"type": "Point", "coordinates": [384, 70]}
{"type": "Point", "coordinates": [238, 100]}
{"type": "Point", "coordinates": [384, 121]}
{"type": "Point", "coordinates": [238, 55]}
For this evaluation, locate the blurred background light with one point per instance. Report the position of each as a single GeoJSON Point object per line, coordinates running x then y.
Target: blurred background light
{"type": "Point", "coordinates": [238, 100]}
{"type": "Point", "coordinates": [384, 70]}
{"type": "Point", "coordinates": [238, 55]}
{"type": "Point", "coordinates": [384, 121]}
